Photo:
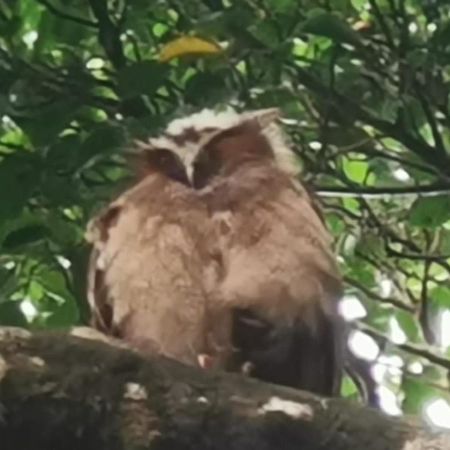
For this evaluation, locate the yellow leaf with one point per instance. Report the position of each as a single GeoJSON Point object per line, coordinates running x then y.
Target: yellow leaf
{"type": "Point", "coordinates": [188, 45]}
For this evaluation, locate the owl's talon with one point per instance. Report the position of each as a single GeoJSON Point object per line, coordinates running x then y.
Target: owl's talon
{"type": "Point", "coordinates": [205, 361]}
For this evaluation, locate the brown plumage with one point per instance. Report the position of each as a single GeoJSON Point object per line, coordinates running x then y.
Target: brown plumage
{"type": "Point", "coordinates": [279, 275]}
{"type": "Point", "coordinates": [149, 263]}
{"type": "Point", "coordinates": [237, 273]}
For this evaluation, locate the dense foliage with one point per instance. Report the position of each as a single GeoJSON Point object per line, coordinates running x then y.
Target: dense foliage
{"type": "Point", "coordinates": [364, 88]}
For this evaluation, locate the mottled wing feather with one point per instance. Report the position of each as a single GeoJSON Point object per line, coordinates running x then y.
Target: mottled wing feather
{"type": "Point", "coordinates": [281, 279]}
{"type": "Point", "coordinates": [101, 309]}
{"type": "Point", "coordinates": [148, 266]}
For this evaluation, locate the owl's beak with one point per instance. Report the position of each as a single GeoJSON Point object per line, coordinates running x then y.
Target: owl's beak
{"type": "Point", "coordinates": [190, 173]}
{"type": "Point", "coordinates": [188, 158]}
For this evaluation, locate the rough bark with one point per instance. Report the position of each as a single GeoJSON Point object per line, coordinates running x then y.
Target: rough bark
{"type": "Point", "coordinates": [63, 392]}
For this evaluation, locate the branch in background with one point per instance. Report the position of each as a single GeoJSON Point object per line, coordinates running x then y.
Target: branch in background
{"type": "Point", "coordinates": [418, 256]}
{"type": "Point", "coordinates": [431, 190]}
{"type": "Point", "coordinates": [354, 111]}
{"type": "Point", "coordinates": [387, 233]}
{"type": "Point", "coordinates": [432, 122]}
{"type": "Point", "coordinates": [383, 25]}
{"type": "Point", "coordinates": [424, 311]}
{"type": "Point", "coordinates": [109, 33]}
{"type": "Point", "coordinates": [65, 16]}
{"type": "Point", "coordinates": [412, 349]}
{"type": "Point", "coordinates": [387, 300]}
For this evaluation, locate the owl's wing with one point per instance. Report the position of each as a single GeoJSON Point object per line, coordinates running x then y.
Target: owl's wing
{"type": "Point", "coordinates": [306, 353]}
{"type": "Point", "coordinates": [282, 282]}
{"type": "Point", "coordinates": [146, 278]}
{"type": "Point", "coordinates": [100, 303]}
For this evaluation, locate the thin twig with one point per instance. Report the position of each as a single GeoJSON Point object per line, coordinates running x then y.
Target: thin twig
{"type": "Point", "coordinates": [63, 15]}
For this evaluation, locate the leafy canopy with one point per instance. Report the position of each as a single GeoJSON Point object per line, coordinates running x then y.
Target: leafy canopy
{"type": "Point", "coordinates": [363, 85]}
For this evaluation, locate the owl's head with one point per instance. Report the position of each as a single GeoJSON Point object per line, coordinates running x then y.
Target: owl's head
{"type": "Point", "coordinates": [209, 138]}
{"type": "Point", "coordinates": [148, 159]}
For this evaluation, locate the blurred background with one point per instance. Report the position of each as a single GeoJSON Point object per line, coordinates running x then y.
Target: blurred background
{"type": "Point", "coordinates": [364, 90]}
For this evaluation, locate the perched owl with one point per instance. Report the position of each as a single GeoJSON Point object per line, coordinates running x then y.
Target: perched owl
{"type": "Point", "coordinates": [218, 256]}
{"type": "Point", "coordinates": [150, 262]}
{"type": "Point", "coordinates": [279, 277]}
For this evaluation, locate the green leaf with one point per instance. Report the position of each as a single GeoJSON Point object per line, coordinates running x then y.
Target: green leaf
{"type": "Point", "coordinates": [326, 24]}
{"type": "Point", "coordinates": [430, 212]}
{"type": "Point", "coordinates": [360, 5]}
{"type": "Point", "coordinates": [19, 175]}
{"type": "Point", "coordinates": [417, 393]}
{"type": "Point", "coordinates": [59, 190]}
{"type": "Point", "coordinates": [143, 78]}
{"type": "Point", "coordinates": [11, 314]}
{"type": "Point", "coordinates": [62, 156]}
{"type": "Point", "coordinates": [441, 296]}
{"type": "Point", "coordinates": [348, 388]}
{"type": "Point", "coordinates": [282, 6]}
{"type": "Point", "coordinates": [63, 313]}
{"type": "Point", "coordinates": [351, 204]}
{"type": "Point", "coordinates": [408, 325]}
{"type": "Point", "coordinates": [49, 120]}
{"type": "Point", "coordinates": [54, 282]}
{"type": "Point", "coordinates": [356, 170]}
{"type": "Point", "coordinates": [105, 138]}
{"type": "Point", "coordinates": [206, 88]}
{"type": "Point", "coordinates": [24, 236]}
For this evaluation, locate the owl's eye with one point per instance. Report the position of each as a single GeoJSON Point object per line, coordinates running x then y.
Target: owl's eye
{"type": "Point", "coordinates": [163, 156]}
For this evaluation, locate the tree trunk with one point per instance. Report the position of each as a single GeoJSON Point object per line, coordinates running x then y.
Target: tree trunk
{"type": "Point", "coordinates": [63, 392]}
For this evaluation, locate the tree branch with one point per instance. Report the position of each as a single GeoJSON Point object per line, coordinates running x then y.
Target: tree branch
{"type": "Point", "coordinates": [354, 111]}
{"type": "Point", "coordinates": [413, 349]}
{"type": "Point", "coordinates": [65, 16]}
{"type": "Point", "coordinates": [63, 392]}
{"type": "Point", "coordinates": [109, 33]}
{"type": "Point", "coordinates": [431, 190]}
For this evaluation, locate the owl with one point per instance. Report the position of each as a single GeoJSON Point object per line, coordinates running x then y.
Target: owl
{"type": "Point", "coordinates": [278, 278]}
{"type": "Point", "coordinates": [218, 256]}
{"type": "Point", "coordinates": [150, 262]}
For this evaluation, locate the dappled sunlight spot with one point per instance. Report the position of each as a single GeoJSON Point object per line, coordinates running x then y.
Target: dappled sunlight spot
{"type": "Point", "coordinates": [389, 401]}
{"type": "Point", "coordinates": [416, 368]}
{"type": "Point", "coordinates": [64, 262]}
{"type": "Point", "coordinates": [135, 391]}
{"type": "Point", "coordinates": [6, 120]}
{"type": "Point", "coordinates": [396, 334]}
{"type": "Point", "coordinates": [437, 412]}
{"type": "Point", "coordinates": [10, 265]}
{"type": "Point", "coordinates": [315, 145]}
{"type": "Point", "coordinates": [95, 64]}
{"type": "Point", "coordinates": [386, 286]}
{"type": "Point", "coordinates": [351, 308]}
{"type": "Point", "coordinates": [379, 372]}
{"type": "Point", "coordinates": [444, 329]}
{"type": "Point", "coordinates": [30, 38]}
{"type": "Point", "coordinates": [388, 367]}
{"type": "Point", "coordinates": [288, 407]}
{"type": "Point", "coordinates": [363, 346]}
{"type": "Point", "coordinates": [413, 27]}
{"type": "Point", "coordinates": [28, 309]}
{"type": "Point", "coordinates": [401, 174]}
{"type": "Point", "coordinates": [394, 367]}
{"type": "Point", "coordinates": [432, 27]}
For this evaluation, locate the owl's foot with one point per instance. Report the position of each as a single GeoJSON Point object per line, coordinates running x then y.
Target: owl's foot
{"type": "Point", "coordinates": [205, 361]}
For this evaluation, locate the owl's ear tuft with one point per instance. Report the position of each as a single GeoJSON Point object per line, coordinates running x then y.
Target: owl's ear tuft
{"type": "Point", "coordinates": [263, 117]}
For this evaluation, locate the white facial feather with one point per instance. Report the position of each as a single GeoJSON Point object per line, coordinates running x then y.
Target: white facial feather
{"type": "Point", "coordinates": [208, 123]}
{"type": "Point", "coordinates": [206, 118]}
